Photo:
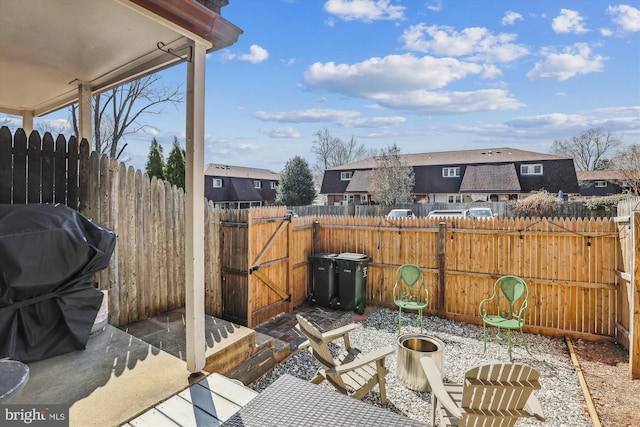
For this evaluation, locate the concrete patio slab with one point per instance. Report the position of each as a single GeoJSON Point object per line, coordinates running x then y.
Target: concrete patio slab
{"type": "Point", "coordinates": [115, 378]}
{"type": "Point", "coordinates": [227, 344]}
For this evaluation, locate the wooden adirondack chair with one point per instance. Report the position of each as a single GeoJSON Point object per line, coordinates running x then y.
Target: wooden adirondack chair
{"type": "Point", "coordinates": [352, 373]}
{"type": "Point", "coordinates": [409, 293]}
{"type": "Point", "coordinates": [492, 395]}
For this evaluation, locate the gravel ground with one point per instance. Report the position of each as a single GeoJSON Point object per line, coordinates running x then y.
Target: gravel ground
{"type": "Point", "coordinates": [561, 396]}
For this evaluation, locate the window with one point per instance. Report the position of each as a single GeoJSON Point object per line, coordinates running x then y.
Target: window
{"type": "Point", "coordinates": [531, 169]}
{"type": "Point", "coordinates": [349, 198]}
{"type": "Point", "coordinates": [345, 176]}
{"type": "Point", "coordinates": [455, 198]}
{"type": "Point", "coordinates": [601, 184]}
{"type": "Point", "coordinates": [217, 183]}
{"type": "Point", "coordinates": [364, 198]}
{"type": "Point", "coordinates": [273, 185]}
{"type": "Point", "coordinates": [257, 184]}
{"type": "Point", "coordinates": [450, 172]}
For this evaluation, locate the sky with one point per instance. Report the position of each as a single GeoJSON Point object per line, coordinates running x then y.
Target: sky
{"type": "Point", "coordinates": [435, 75]}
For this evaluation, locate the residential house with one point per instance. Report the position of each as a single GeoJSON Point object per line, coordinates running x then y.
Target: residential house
{"type": "Point", "coordinates": [237, 187]}
{"type": "Point", "coordinates": [602, 183]}
{"type": "Point", "coordinates": [461, 176]}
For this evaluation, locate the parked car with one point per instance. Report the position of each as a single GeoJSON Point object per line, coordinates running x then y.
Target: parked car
{"type": "Point", "coordinates": [401, 213]}
{"type": "Point", "coordinates": [294, 214]}
{"type": "Point", "coordinates": [449, 213]}
{"type": "Point", "coordinates": [481, 212]}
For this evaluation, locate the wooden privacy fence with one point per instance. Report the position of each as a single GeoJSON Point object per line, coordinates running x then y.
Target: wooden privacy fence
{"type": "Point", "coordinates": [570, 265]}
{"type": "Point", "coordinates": [146, 275]}
{"type": "Point", "coordinates": [628, 314]}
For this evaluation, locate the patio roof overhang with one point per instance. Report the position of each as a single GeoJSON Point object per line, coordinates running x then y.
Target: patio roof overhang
{"type": "Point", "coordinates": [53, 54]}
{"type": "Point", "coordinates": [48, 48]}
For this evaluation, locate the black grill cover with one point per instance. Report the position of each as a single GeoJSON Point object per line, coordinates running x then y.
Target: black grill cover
{"type": "Point", "coordinates": [48, 299]}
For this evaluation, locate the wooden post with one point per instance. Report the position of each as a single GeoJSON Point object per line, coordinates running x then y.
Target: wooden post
{"type": "Point", "coordinates": [442, 244]}
{"type": "Point", "coordinates": [634, 328]}
{"type": "Point", "coordinates": [316, 237]}
{"type": "Point", "coordinates": [85, 129]}
{"type": "Point", "coordinates": [194, 212]}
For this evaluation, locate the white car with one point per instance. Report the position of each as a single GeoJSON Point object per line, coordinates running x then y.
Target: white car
{"type": "Point", "coordinates": [401, 213]}
{"type": "Point", "coordinates": [481, 212]}
{"type": "Point", "coordinates": [449, 213]}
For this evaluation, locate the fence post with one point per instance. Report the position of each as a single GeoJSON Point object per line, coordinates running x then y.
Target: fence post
{"type": "Point", "coordinates": [634, 330]}
{"type": "Point", "coordinates": [316, 237]}
{"type": "Point", "coordinates": [442, 233]}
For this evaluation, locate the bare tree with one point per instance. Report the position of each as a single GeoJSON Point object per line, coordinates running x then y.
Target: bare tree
{"type": "Point", "coordinates": [116, 113]}
{"type": "Point", "coordinates": [392, 180]}
{"type": "Point", "coordinates": [628, 163]}
{"type": "Point", "coordinates": [589, 150]}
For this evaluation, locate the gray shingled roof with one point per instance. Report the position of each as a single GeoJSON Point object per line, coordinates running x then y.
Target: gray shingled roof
{"type": "Point", "coordinates": [490, 178]}
{"type": "Point", "coordinates": [214, 169]}
{"type": "Point", "coordinates": [359, 182]}
{"type": "Point", "coordinates": [604, 175]}
{"type": "Point", "coordinates": [487, 155]}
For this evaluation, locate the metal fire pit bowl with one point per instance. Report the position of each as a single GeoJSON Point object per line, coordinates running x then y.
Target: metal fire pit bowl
{"type": "Point", "coordinates": [411, 348]}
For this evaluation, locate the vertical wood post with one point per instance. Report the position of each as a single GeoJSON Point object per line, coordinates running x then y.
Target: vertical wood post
{"type": "Point", "coordinates": [194, 218]}
{"type": "Point", "coordinates": [316, 237]}
{"type": "Point", "coordinates": [442, 234]}
{"type": "Point", "coordinates": [85, 129]}
{"type": "Point", "coordinates": [634, 328]}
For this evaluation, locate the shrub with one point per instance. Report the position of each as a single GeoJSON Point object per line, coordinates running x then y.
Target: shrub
{"type": "Point", "coordinates": [540, 203]}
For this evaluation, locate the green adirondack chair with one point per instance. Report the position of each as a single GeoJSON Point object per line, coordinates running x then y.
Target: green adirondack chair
{"type": "Point", "coordinates": [505, 310]}
{"type": "Point", "coordinates": [409, 293]}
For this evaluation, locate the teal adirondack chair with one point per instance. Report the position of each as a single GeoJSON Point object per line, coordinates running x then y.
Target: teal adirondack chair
{"type": "Point", "coordinates": [409, 293]}
{"type": "Point", "coordinates": [505, 310]}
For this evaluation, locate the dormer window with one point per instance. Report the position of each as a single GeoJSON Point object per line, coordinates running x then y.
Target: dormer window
{"type": "Point", "coordinates": [273, 185]}
{"type": "Point", "coordinates": [531, 169]}
{"type": "Point", "coordinates": [601, 184]}
{"type": "Point", "coordinates": [217, 183]}
{"type": "Point", "coordinates": [450, 172]}
{"type": "Point", "coordinates": [257, 184]}
{"type": "Point", "coordinates": [346, 176]}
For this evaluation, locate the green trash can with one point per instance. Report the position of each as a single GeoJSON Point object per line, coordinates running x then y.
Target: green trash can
{"type": "Point", "coordinates": [352, 281]}
{"type": "Point", "coordinates": [325, 280]}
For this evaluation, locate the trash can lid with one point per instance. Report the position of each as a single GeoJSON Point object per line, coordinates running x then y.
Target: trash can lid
{"type": "Point", "coordinates": [323, 255]}
{"type": "Point", "coordinates": [352, 256]}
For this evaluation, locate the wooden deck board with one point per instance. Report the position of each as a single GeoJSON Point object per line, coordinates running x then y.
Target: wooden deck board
{"type": "Point", "coordinates": [209, 402]}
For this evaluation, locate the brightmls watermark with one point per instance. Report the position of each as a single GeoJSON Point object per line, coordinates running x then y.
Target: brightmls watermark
{"type": "Point", "coordinates": [34, 415]}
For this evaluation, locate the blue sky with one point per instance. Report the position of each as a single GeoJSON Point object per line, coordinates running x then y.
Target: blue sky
{"type": "Point", "coordinates": [425, 75]}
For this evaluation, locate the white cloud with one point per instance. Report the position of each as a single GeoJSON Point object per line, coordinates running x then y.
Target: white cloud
{"type": "Point", "coordinates": [306, 116]}
{"type": "Point", "coordinates": [256, 54]}
{"type": "Point", "coordinates": [426, 102]}
{"type": "Point", "coordinates": [372, 122]}
{"type": "Point", "coordinates": [281, 132]}
{"type": "Point", "coordinates": [606, 32]}
{"type": "Point", "coordinates": [365, 10]}
{"type": "Point", "coordinates": [343, 118]}
{"type": "Point", "coordinates": [389, 74]}
{"type": "Point", "coordinates": [288, 62]}
{"type": "Point", "coordinates": [476, 43]}
{"type": "Point", "coordinates": [569, 21]}
{"type": "Point", "coordinates": [574, 60]}
{"type": "Point", "coordinates": [510, 18]}
{"type": "Point", "coordinates": [435, 5]}
{"type": "Point", "coordinates": [627, 17]}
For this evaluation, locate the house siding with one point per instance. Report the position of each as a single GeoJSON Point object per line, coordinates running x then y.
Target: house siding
{"type": "Point", "coordinates": [558, 174]}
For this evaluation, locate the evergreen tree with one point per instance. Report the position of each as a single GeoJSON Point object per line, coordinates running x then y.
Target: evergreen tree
{"type": "Point", "coordinates": [155, 161]}
{"type": "Point", "coordinates": [175, 169]}
{"type": "Point", "coordinates": [296, 184]}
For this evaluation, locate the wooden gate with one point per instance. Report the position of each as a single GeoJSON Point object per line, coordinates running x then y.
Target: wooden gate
{"type": "Point", "coordinates": [269, 282]}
